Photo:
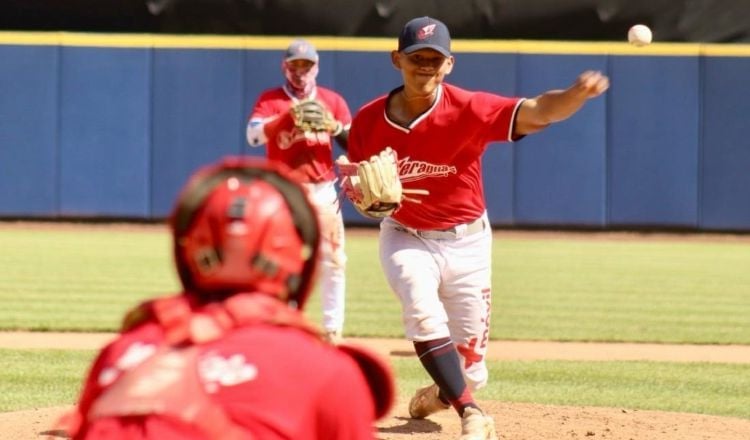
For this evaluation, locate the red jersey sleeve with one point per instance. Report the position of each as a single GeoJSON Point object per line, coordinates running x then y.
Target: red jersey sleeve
{"type": "Point", "coordinates": [496, 115]}
{"type": "Point", "coordinates": [266, 106]}
{"type": "Point", "coordinates": [347, 393]}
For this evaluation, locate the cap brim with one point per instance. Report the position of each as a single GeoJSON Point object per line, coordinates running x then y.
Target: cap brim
{"type": "Point", "coordinates": [301, 57]}
{"type": "Point", "coordinates": [416, 47]}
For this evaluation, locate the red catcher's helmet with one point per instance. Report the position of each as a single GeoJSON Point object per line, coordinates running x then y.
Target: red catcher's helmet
{"type": "Point", "coordinates": [244, 225]}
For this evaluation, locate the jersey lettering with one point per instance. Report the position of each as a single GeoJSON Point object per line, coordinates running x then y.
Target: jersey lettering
{"type": "Point", "coordinates": [411, 170]}
{"type": "Point", "coordinates": [286, 138]}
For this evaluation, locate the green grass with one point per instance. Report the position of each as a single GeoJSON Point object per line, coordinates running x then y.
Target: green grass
{"type": "Point", "coordinates": [74, 280]}
{"type": "Point", "coordinates": [641, 291]}
{"type": "Point", "coordinates": [42, 378]}
{"type": "Point", "coordinates": [543, 289]}
{"type": "Point", "coordinates": [702, 388]}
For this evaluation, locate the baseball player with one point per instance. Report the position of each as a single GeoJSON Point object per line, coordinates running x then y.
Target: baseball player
{"type": "Point", "coordinates": [298, 123]}
{"type": "Point", "coordinates": [232, 357]}
{"type": "Point", "coordinates": [436, 253]}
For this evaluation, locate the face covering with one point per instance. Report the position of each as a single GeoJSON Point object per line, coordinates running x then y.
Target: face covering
{"type": "Point", "coordinates": [298, 81]}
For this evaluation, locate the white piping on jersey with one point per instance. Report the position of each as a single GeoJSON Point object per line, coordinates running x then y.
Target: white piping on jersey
{"type": "Point", "coordinates": [420, 118]}
{"type": "Point", "coordinates": [513, 119]}
{"type": "Point", "coordinates": [435, 348]}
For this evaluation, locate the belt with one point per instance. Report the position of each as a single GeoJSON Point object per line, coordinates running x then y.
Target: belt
{"type": "Point", "coordinates": [458, 231]}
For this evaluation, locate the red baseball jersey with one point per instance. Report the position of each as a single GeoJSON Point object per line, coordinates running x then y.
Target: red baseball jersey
{"type": "Point", "coordinates": [310, 155]}
{"type": "Point", "coordinates": [273, 382]}
{"type": "Point", "coordinates": [440, 151]}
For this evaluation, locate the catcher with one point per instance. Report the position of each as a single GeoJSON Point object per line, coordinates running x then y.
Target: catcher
{"type": "Point", "coordinates": [232, 357]}
{"type": "Point", "coordinates": [298, 122]}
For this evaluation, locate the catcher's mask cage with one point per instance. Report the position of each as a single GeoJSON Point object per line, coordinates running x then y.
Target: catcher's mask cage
{"type": "Point", "coordinates": [244, 225]}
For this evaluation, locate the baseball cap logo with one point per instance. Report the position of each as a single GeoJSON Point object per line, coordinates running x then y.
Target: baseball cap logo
{"type": "Point", "coordinates": [426, 31]}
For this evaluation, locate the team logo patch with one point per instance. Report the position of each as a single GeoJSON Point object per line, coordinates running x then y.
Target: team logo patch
{"type": "Point", "coordinates": [136, 354]}
{"type": "Point", "coordinates": [217, 371]}
{"type": "Point", "coordinates": [426, 32]}
{"type": "Point", "coordinates": [286, 138]}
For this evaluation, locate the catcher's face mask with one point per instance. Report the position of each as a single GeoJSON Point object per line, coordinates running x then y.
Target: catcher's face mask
{"type": "Point", "coordinates": [245, 226]}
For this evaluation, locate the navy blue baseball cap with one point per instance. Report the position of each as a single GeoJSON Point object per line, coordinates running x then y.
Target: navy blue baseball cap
{"type": "Point", "coordinates": [301, 49]}
{"type": "Point", "coordinates": [425, 33]}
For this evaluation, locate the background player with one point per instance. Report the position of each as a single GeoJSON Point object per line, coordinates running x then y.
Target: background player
{"type": "Point", "coordinates": [309, 154]}
{"type": "Point", "coordinates": [436, 254]}
{"type": "Point", "coordinates": [232, 357]}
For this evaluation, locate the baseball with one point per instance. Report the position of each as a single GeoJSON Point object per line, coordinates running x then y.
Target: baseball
{"type": "Point", "coordinates": [639, 35]}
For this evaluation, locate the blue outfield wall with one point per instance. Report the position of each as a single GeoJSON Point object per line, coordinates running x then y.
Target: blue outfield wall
{"type": "Point", "coordinates": [111, 126]}
{"type": "Point", "coordinates": [29, 120]}
{"type": "Point", "coordinates": [653, 141]}
{"type": "Point", "coordinates": [725, 146]}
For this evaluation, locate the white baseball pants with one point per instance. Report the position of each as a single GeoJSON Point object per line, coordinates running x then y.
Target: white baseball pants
{"type": "Point", "coordinates": [443, 280]}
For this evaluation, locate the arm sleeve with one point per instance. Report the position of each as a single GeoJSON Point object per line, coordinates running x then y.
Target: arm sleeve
{"type": "Point", "coordinates": [263, 113]}
{"type": "Point", "coordinates": [255, 132]}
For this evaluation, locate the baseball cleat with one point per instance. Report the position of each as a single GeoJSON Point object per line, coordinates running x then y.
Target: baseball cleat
{"type": "Point", "coordinates": [477, 426]}
{"type": "Point", "coordinates": [426, 402]}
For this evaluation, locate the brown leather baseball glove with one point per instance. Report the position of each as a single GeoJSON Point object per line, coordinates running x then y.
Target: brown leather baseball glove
{"type": "Point", "coordinates": [311, 115]}
{"type": "Point", "coordinates": [373, 186]}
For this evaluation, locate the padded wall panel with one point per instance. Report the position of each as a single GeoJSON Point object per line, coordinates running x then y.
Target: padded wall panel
{"type": "Point", "coordinates": [725, 171]}
{"type": "Point", "coordinates": [653, 141]}
{"type": "Point", "coordinates": [198, 108]}
{"type": "Point", "coordinates": [28, 130]}
{"type": "Point", "coordinates": [561, 172]}
{"type": "Point", "coordinates": [104, 132]}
